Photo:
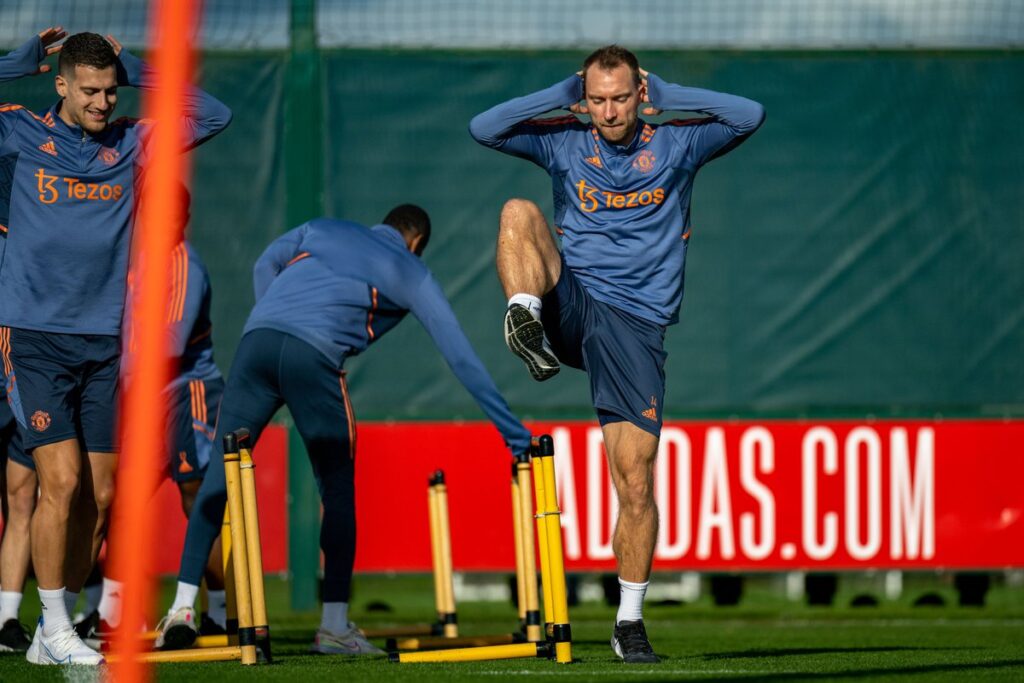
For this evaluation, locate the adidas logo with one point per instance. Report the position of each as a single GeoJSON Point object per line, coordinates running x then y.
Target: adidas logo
{"type": "Point", "coordinates": [49, 147]}
{"type": "Point", "coordinates": [652, 412]}
{"type": "Point", "coordinates": [183, 466]}
{"type": "Point", "coordinates": [594, 160]}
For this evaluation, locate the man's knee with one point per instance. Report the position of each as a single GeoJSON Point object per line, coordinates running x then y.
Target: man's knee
{"type": "Point", "coordinates": [521, 213]}
{"type": "Point", "coordinates": [22, 498]}
{"type": "Point", "coordinates": [60, 487]}
{"type": "Point", "coordinates": [635, 491]}
{"type": "Point", "coordinates": [103, 494]}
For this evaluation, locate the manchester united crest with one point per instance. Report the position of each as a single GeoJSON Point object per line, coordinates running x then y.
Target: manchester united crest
{"type": "Point", "coordinates": [644, 161]}
{"type": "Point", "coordinates": [109, 155]}
{"type": "Point", "coordinates": [40, 421]}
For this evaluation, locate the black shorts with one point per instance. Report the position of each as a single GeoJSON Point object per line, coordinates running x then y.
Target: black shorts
{"type": "Point", "coordinates": [622, 354]}
{"type": "Point", "coordinates": [66, 385]}
{"type": "Point", "coordinates": [192, 424]}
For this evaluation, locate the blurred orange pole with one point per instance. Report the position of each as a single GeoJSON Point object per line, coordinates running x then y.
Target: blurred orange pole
{"type": "Point", "coordinates": [143, 433]}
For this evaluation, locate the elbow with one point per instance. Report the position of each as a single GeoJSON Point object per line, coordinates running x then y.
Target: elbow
{"type": "Point", "coordinates": [755, 116]}
{"type": "Point", "coordinates": [220, 118]}
{"type": "Point", "coordinates": [478, 131]}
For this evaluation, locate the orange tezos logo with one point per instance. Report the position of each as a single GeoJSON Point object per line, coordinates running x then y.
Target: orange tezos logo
{"type": "Point", "coordinates": [594, 198]}
{"type": "Point", "coordinates": [40, 421]}
{"type": "Point", "coordinates": [50, 190]}
{"type": "Point", "coordinates": [644, 161]}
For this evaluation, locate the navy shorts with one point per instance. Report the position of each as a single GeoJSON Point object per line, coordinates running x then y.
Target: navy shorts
{"type": "Point", "coordinates": [10, 439]}
{"type": "Point", "coordinates": [66, 385]}
{"type": "Point", "coordinates": [622, 354]}
{"type": "Point", "coordinates": [271, 369]}
{"type": "Point", "coordinates": [192, 426]}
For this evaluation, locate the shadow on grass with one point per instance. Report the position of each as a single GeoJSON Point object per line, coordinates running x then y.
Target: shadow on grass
{"type": "Point", "coordinates": [786, 652]}
{"type": "Point", "coordinates": [887, 672]}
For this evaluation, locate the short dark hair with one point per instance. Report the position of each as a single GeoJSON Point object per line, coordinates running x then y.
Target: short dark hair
{"type": "Point", "coordinates": [87, 49]}
{"type": "Point", "coordinates": [410, 220]}
{"type": "Point", "coordinates": [610, 57]}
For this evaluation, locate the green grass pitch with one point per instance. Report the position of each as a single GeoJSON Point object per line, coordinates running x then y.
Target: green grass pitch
{"type": "Point", "coordinates": [765, 638]}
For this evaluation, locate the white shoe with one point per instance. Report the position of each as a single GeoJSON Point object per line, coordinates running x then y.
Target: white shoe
{"type": "Point", "coordinates": [63, 647]}
{"type": "Point", "coordinates": [178, 630]}
{"type": "Point", "coordinates": [33, 650]}
{"type": "Point", "coordinates": [350, 642]}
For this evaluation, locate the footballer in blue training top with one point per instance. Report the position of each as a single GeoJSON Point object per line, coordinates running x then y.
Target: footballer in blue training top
{"type": "Point", "coordinates": [68, 213]}
{"type": "Point", "coordinates": [622, 191]}
{"type": "Point", "coordinates": [326, 291]}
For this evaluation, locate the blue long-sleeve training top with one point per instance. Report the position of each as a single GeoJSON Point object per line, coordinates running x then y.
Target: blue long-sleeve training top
{"type": "Point", "coordinates": [340, 286]}
{"type": "Point", "coordinates": [189, 327]}
{"type": "Point", "coordinates": [67, 215]}
{"type": "Point", "coordinates": [623, 211]}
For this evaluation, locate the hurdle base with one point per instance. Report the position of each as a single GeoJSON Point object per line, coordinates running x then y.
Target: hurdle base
{"type": "Point", "coordinates": [475, 654]}
{"type": "Point", "coordinates": [428, 643]}
{"type": "Point", "coordinates": [207, 654]}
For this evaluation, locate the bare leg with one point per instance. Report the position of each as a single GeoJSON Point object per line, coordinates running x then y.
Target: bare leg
{"type": "Point", "coordinates": [527, 257]}
{"type": "Point", "coordinates": [89, 526]}
{"type": "Point", "coordinates": [16, 549]}
{"type": "Point", "coordinates": [59, 467]}
{"type": "Point", "coordinates": [631, 455]}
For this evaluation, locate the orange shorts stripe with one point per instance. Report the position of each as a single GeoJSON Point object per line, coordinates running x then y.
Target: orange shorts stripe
{"type": "Point", "coordinates": [369, 316]}
{"type": "Point", "coordinates": [5, 350]}
{"type": "Point", "coordinates": [350, 414]}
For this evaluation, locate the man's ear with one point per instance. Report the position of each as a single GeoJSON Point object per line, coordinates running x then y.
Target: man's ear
{"type": "Point", "coordinates": [61, 85]}
{"type": "Point", "coordinates": [414, 243]}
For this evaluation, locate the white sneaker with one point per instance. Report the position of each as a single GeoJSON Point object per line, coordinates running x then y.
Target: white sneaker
{"type": "Point", "coordinates": [33, 650]}
{"type": "Point", "coordinates": [178, 630]}
{"type": "Point", "coordinates": [63, 647]}
{"type": "Point", "coordinates": [350, 642]}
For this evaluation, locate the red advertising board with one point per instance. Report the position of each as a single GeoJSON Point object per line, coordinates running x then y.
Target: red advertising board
{"type": "Point", "coordinates": [732, 495]}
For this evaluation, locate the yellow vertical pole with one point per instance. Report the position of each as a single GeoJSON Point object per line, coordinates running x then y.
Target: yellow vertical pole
{"type": "Point", "coordinates": [528, 599]}
{"type": "Point", "coordinates": [449, 618]}
{"type": "Point", "coordinates": [243, 596]}
{"type": "Point", "coordinates": [542, 545]}
{"type": "Point", "coordinates": [254, 548]}
{"type": "Point", "coordinates": [517, 523]}
{"type": "Point", "coordinates": [231, 624]}
{"type": "Point", "coordinates": [561, 632]}
{"type": "Point", "coordinates": [435, 550]}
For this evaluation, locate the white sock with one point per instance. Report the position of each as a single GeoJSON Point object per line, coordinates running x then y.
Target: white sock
{"type": "Point", "coordinates": [185, 597]}
{"type": "Point", "coordinates": [110, 603]}
{"type": "Point", "coordinates": [631, 601]}
{"type": "Point", "coordinates": [93, 595]}
{"type": "Point", "coordinates": [55, 612]}
{"type": "Point", "coordinates": [334, 617]}
{"type": "Point", "coordinates": [70, 600]}
{"type": "Point", "coordinates": [10, 605]}
{"type": "Point", "coordinates": [528, 301]}
{"type": "Point", "coordinates": [217, 607]}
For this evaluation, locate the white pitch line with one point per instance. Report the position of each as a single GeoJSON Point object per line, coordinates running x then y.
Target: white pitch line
{"type": "Point", "coordinates": [656, 671]}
